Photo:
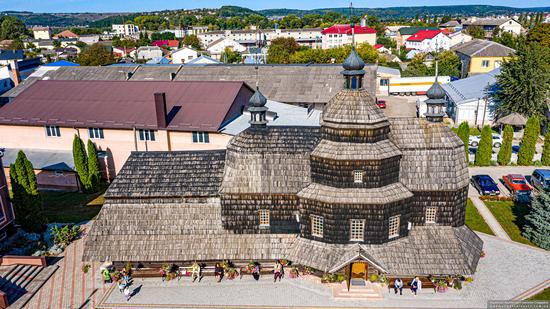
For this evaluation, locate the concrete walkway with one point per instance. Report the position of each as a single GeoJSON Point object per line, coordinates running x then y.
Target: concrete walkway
{"type": "Point", "coordinates": [489, 218]}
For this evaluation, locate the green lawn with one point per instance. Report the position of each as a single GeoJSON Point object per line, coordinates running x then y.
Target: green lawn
{"type": "Point", "coordinates": [511, 217]}
{"type": "Point", "coordinates": [74, 207]}
{"type": "Point", "coordinates": [475, 221]}
{"type": "Point", "coordinates": [544, 295]}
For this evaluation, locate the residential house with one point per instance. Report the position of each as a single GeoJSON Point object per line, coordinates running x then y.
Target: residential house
{"type": "Point", "coordinates": [42, 33]}
{"type": "Point", "coordinates": [89, 39]}
{"type": "Point", "coordinates": [427, 41]}
{"type": "Point", "coordinates": [125, 29]}
{"type": "Point", "coordinates": [184, 55]}
{"type": "Point", "coordinates": [203, 60]}
{"type": "Point", "coordinates": [148, 52]}
{"type": "Point", "coordinates": [382, 49]}
{"type": "Point", "coordinates": [7, 215]}
{"type": "Point", "coordinates": [341, 35]}
{"type": "Point", "coordinates": [15, 72]}
{"type": "Point", "coordinates": [121, 52]}
{"type": "Point", "coordinates": [468, 99]}
{"type": "Point", "coordinates": [490, 24]}
{"type": "Point", "coordinates": [451, 25]}
{"type": "Point", "coordinates": [481, 56]}
{"type": "Point", "coordinates": [121, 117]}
{"type": "Point", "coordinates": [405, 32]}
{"type": "Point", "coordinates": [308, 37]}
{"type": "Point", "coordinates": [459, 37]}
{"type": "Point", "coordinates": [66, 34]}
{"type": "Point", "coordinates": [7, 56]}
{"type": "Point", "coordinates": [170, 44]}
{"type": "Point", "coordinates": [216, 48]}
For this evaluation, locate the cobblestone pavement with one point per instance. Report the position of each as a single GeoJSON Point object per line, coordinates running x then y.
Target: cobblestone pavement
{"type": "Point", "coordinates": [508, 270]}
{"type": "Point", "coordinates": [70, 287]}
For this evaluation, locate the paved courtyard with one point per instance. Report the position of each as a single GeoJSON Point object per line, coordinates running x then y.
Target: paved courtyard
{"type": "Point", "coordinates": [508, 270]}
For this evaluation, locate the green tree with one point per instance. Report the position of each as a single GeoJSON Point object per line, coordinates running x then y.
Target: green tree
{"type": "Point", "coordinates": [193, 41]}
{"type": "Point", "coordinates": [81, 163]}
{"type": "Point", "coordinates": [541, 34]}
{"type": "Point", "coordinates": [464, 134]}
{"type": "Point", "coordinates": [17, 44]}
{"type": "Point", "coordinates": [537, 222]}
{"type": "Point", "coordinates": [485, 147]}
{"type": "Point", "coordinates": [529, 141]}
{"type": "Point", "coordinates": [417, 67]}
{"type": "Point", "coordinates": [505, 151]}
{"type": "Point", "coordinates": [94, 55]}
{"type": "Point", "coordinates": [524, 82]}
{"type": "Point", "coordinates": [12, 28]}
{"type": "Point", "coordinates": [94, 172]}
{"type": "Point", "coordinates": [546, 149]}
{"type": "Point", "coordinates": [26, 197]}
{"type": "Point", "coordinates": [231, 56]}
{"type": "Point", "coordinates": [155, 36]}
{"type": "Point", "coordinates": [476, 32]}
{"type": "Point", "coordinates": [281, 49]}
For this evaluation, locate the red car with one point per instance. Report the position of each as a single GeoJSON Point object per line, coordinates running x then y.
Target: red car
{"type": "Point", "coordinates": [381, 103]}
{"type": "Point", "coordinates": [517, 185]}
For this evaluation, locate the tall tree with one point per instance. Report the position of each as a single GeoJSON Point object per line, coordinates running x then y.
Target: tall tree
{"type": "Point", "coordinates": [464, 134]}
{"type": "Point", "coordinates": [231, 56]}
{"type": "Point", "coordinates": [524, 82]}
{"type": "Point", "coordinates": [26, 197]}
{"type": "Point", "coordinates": [94, 55]}
{"type": "Point", "coordinates": [281, 49]}
{"type": "Point", "coordinates": [537, 222]}
{"type": "Point", "coordinates": [485, 147]}
{"type": "Point", "coordinates": [505, 151]}
{"type": "Point", "coordinates": [94, 172]}
{"type": "Point", "coordinates": [546, 149]}
{"type": "Point", "coordinates": [540, 33]}
{"type": "Point", "coordinates": [529, 141]}
{"type": "Point", "coordinates": [12, 28]}
{"type": "Point", "coordinates": [81, 163]}
{"type": "Point", "coordinates": [476, 32]}
{"type": "Point", "coordinates": [192, 40]}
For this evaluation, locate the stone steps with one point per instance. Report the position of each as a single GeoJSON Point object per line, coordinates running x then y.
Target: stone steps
{"type": "Point", "coordinates": [15, 283]}
{"type": "Point", "coordinates": [367, 292]}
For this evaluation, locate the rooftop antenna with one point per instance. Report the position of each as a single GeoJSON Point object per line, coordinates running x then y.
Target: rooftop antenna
{"type": "Point", "coordinates": [436, 61]}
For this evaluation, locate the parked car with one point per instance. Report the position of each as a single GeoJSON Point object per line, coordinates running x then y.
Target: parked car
{"type": "Point", "coordinates": [541, 179]}
{"type": "Point", "coordinates": [381, 103]}
{"type": "Point", "coordinates": [485, 185]}
{"type": "Point", "coordinates": [474, 140]}
{"type": "Point", "coordinates": [518, 186]}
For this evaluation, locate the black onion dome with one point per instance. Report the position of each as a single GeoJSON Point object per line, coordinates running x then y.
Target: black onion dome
{"type": "Point", "coordinates": [435, 91]}
{"type": "Point", "coordinates": [258, 99]}
{"type": "Point", "coordinates": [353, 62]}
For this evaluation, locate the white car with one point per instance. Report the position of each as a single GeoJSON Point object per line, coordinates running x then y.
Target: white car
{"type": "Point", "coordinates": [474, 140]}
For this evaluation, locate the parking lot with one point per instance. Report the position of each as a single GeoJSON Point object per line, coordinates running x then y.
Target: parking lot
{"type": "Point", "coordinates": [399, 106]}
{"type": "Point", "coordinates": [496, 172]}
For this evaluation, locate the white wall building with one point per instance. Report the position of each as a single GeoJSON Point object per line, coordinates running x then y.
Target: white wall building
{"type": "Point", "coordinates": [148, 52]}
{"type": "Point", "coordinates": [428, 40]}
{"type": "Point", "coordinates": [310, 37]}
{"type": "Point", "coordinates": [125, 29]}
{"type": "Point", "coordinates": [215, 49]}
{"type": "Point", "coordinates": [42, 33]}
{"type": "Point", "coordinates": [184, 55]}
{"type": "Point", "coordinates": [341, 35]}
{"type": "Point", "coordinates": [459, 37]}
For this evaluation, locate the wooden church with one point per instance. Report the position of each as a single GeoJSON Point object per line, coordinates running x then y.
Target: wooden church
{"type": "Point", "coordinates": [362, 191]}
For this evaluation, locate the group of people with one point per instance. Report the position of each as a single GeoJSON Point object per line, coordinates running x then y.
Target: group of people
{"type": "Point", "coordinates": [124, 283]}
{"type": "Point", "coordinates": [415, 284]}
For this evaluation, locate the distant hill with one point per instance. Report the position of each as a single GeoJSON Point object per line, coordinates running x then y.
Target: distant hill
{"type": "Point", "coordinates": [58, 19]}
{"type": "Point", "coordinates": [412, 11]}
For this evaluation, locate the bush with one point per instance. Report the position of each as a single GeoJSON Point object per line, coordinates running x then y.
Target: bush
{"type": "Point", "coordinates": [485, 148]}
{"type": "Point", "coordinates": [505, 152]}
{"type": "Point", "coordinates": [529, 141]}
{"type": "Point", "coordinates": [65, 235]}
{"type": "Point", "coordinates": [546, 149]}
{"type": "Point", "coordinates": [464, 134]}
{"type": "Point", "coordinates": [373, 278]}
{"type": "Point", "coordinates": [537, 222]}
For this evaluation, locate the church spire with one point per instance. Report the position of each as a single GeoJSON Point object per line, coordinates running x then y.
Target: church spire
{"type": "Point", "coordinates": [435, 104]}
{"type": "Point", "coordinates": [353, 70]}
{"type": "Point", "coordinates": [257, 109]}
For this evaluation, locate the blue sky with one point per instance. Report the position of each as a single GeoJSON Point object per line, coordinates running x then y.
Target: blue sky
{"type": "Point", "coordinates": [151, 5]}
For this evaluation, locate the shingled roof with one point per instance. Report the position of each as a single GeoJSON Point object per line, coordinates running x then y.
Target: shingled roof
{"type": "Point", "coordinates": [483, 48]}
{"type": "Point", "coordinates": [173, 174]}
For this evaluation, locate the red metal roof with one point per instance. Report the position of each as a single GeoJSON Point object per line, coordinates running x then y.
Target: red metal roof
{"type": "Point", "coordinates": [423, 35]}
{"type": "Point", "coordinates": [169, 43]}
{"type": "Point", "coordinates": [191, 105]}
{"type": "Point", "coordinates": [346, 29]}
{"type": "Point", "coordinates": [377, 46]}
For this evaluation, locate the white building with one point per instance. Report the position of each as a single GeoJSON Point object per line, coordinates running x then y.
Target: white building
{"type": "Point", "coordinates": [89, 39]}
{"type": "Point", "coordinates": [148, 52]}
{"type": "Point", "coordinates": [310, 37]}
{"type": "Point", "coordinates": [216, 48]}
{"type": "Point", "coordinates": [203, 60]}
{"type": "Point", "coordinates": [428, 40]}
{"type": "Point", "coordinates": [467, 99]}
{"type": "Point", "coordinates": [341, 35]}
{"type": "Point", "coordinates": [184, 55]}
{"type": "Point", "coordinates": [459, 37]}
{"type": "Point", "coordinates": [488, 25]}
{"type": "Point", "coordinates": [42, 33]}
{"type": "Point", "coordinates": [125, 29]}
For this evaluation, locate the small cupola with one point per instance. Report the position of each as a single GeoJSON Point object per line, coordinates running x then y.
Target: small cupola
{"type": "Point", "coordinates": [257, 109]}
{"type": "Point", "coordinates": [353, 70]}
{"type": "Point", "coordinates": [435, 104]}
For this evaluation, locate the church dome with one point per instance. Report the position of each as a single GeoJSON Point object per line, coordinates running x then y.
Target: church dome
{"type": "Point", "coordinates": [435, 91]}
{"type": "Point", "coordinates": [258, 99]}
{"type": "Point", "coordinates": [353, 62]}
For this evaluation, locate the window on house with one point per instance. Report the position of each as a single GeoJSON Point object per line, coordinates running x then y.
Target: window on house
{"type": "Point", "coordinates": [146, 135]}
{"type": "Point", "coordinates": [201, 137]}
{"type": "Point", "coordinates": [317, 226]}
{"type": "Point", "coordinates": [358, 176]}
{"type": "Point", "coordinates": [394, 226]}
{"type": "Point", "coordinates": [485, 63]}
{"type": "Point", "coordinates": [431, 213]}
{"type": "Point", "coordinates": [357, 230]}
{"type": "Point", "coordinates": [264, 217]}
{"type": "Point", "coordinates": [53, 131]}
{"type": "Point", "coordinates": [95, 133]}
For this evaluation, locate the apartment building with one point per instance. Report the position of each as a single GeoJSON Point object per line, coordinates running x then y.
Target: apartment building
{"type": "Point", "coordinates": [428, 40]}
{"type": "Point", "coordinates": [125, 29]}
{"type": "Point", "coordinates": [42, 33]}
{"type": "Point", "coordinates": [341, 35]}
{"type": "Point", "coordinates": [119, 117]}
{"type": "Point", "coordinates": [310, 37]}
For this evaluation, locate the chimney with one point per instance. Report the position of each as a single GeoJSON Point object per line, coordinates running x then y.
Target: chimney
{"type": "Point", "coordinates": [160, 109]}
{"type": "Point", "coordinates": [13, 67]}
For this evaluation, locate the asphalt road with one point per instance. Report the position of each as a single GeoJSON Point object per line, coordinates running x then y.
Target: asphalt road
{"type": "Point", "coordinates": [497, 172]}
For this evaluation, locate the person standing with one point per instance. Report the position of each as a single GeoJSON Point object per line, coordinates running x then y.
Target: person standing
{"type": "Point", "coordinates": [277, 271]}
{"type": "Point", "coordinates": [256, 272]}
{"type": "Point", "coordinates": [418, 284]}
{"type": "Point", "coordinates": [120, 285]}
{"type": "Point", "coordinates": [106, 276]}
{"type": "Point", "coordinates": [127, 293]}
{"type": "Point", "coordinates": [398, 285]}
{"type": "Point", "coordinates": [163, 274]}
{"type": "Point", "coordinates": [414, 286]}
{"type": "Point", "coordinates": [196, 272]}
